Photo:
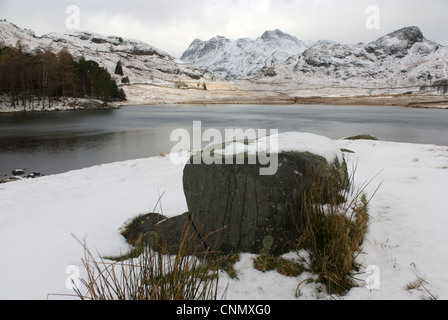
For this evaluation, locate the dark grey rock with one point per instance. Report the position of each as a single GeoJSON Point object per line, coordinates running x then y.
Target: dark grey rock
{"type": "Point", "coordinates": [141, 225]}
{"type": "Point", "coordinates": [179, 235]}
{"type": "Point", "coordinates": [174, 235]}
{"type": "Point", "coordinates": [18, 172]}
{"type": "Point", "coordinates": [362, 137]}
{"type": "Point", "coordinates": [33, 175]}
{"type": "Point", "coordinates": [269, 71]}
{"type": "Point", "coordinates": [234, 208]}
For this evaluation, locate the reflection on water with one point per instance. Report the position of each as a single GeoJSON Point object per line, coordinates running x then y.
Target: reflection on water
{"type": "Point", "coordinates": [63, 141]}
{"type": "Point", "coordinates": [54, 155]}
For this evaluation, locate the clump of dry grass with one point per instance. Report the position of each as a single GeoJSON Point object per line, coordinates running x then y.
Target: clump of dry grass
{"type": "Point", "coordinates": [334, 230]}
{"type": "Point", "coordinates": [150, 276]}
{"type": "Point", "coordinates": [420, 285]}
{"type": "Point", "coordinates": [265, 263]}
{"type": "Point", "coordinates": [283, 266]}
{"type": "Point", "coordinates": [289, 268]}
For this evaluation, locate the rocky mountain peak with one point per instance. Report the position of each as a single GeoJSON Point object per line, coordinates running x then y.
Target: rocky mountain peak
{"type": "Point", "coordinates": [196, 42]}
{"type": "Point", "coordinates": [409, 34]}
{"type": "Point", "coordinates": [396, 43]}
{"type": "Point", "coordinates": [242, 57]}
{"type": "Point", "coordinates": [276, 35]}
{"type": "Point", "coordinates": [401, 58]}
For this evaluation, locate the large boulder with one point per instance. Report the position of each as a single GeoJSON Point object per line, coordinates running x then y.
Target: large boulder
{"type": "Point", "coordinates": [234, 207]}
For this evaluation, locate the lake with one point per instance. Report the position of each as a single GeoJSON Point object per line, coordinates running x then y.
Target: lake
{"type": "Point", "coordinates": [57, 142]}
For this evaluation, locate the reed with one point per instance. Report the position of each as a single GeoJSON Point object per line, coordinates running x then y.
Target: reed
{"type": "Point", "coordinates": [151, 276]}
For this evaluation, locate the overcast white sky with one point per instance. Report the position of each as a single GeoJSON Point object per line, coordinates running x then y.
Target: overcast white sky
{"type": "Point", "coordinates": [171, 25]}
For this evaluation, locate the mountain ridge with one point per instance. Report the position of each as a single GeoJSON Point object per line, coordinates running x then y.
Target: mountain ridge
{"type": "Point", "coordinates": [399, 59]}
{"type": "Point", "coordinates": [402, 57]}
{"type": "Point", "coordinates": [238, 58]}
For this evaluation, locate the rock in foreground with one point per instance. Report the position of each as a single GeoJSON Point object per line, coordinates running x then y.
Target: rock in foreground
{"type": "Point", "coordinates": [234, 208]}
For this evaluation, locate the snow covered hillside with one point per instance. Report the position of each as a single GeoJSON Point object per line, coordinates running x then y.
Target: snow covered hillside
{"type": "Point", "coordinates": [141, 62]}
{"type": "Point", "coordinates": [402, 58]}
{"type": "Point", "coordinates": [405, 241]}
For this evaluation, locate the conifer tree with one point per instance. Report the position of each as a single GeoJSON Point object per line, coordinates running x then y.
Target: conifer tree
{"type": "Point", "coordinates": [44, 75]}
{"type": "Point", "coordinates": [119, 69]}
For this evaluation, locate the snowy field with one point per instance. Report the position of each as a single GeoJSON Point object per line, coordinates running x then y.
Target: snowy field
{"type": "Point", "coordinates": [406, 239]}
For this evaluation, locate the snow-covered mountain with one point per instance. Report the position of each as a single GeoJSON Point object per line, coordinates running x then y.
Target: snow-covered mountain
{"type": "Point", "coordinates": [141, 62]}
{"type": "Point", "coordinates": [401, 58]}
{"type": "Point", "coordinates": [244, 57]}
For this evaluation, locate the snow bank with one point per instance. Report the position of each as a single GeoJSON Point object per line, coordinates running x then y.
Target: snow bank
{"type": "Point", "coordinates": [406, 237]}
{"type": "Point", "coordinates": [37, 218]}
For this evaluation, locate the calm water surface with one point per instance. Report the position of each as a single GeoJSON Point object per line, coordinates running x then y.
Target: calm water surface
{"type": "Point", "coordinates": [62, 141]}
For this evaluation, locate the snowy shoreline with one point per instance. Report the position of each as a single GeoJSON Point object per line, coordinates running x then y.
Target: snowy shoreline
{"type": "Point", "coordinates": [244, 92]}
{"type": "Point", "coordinates": [58, 105]}
{"type": "Point", "coordinates": [405, 240]}
{"type": "Point", "coordinates": [249, 92]}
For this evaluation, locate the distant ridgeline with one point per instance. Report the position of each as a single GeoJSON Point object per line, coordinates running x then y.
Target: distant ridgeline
{"type": "Point", "coordinates": [44, 75]}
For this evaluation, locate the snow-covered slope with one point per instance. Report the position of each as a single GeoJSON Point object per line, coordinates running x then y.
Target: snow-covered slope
{"type": "Point", "coordinates": [243, 57]}
{"type": "Point", "coordinates": [141, 62]}
{"type": "Point", "coordinates": [402, 58]}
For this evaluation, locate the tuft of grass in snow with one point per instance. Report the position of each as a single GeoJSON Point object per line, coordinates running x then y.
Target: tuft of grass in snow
{"type": "Point", "coordinates": [283, 266]}
{"type": "Point", "coordinates": [150, 276]}
{"type": "Point", "coordinates": [420, 285]}
{"type": "Point", "coordinates": [265, 263]}
{"type": "Point", "coordinates": [289, 268]}
{"type": "Point", "coordinates": [334, 232]}
{"type": "Point", "coordinates": [227, 263]}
